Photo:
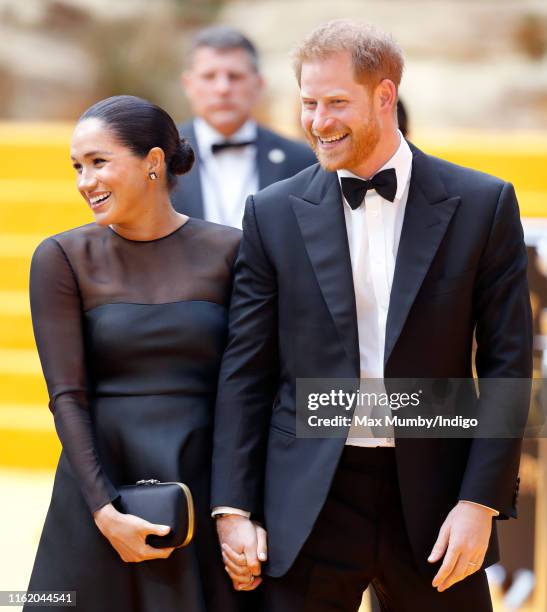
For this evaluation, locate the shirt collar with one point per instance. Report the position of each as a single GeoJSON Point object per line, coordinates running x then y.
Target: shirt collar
{"type": "Point", "coordinates": [206, 135]}
{"type": "Point", "coordinates": [401, 161]}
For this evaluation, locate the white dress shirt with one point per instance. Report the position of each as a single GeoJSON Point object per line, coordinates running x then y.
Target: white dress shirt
{"type": "Point", "coordinates": [228, 176]}
{"type": "Point", "coordinates": [374, 231]}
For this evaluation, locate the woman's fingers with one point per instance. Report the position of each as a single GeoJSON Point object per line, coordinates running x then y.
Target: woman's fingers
{"type": "Point", "coordinates": [145, 553]}
{"type": "Point", "coordinates": [250, 586]}
{"type": "Point", "coordinates": [234, 569]}
{"type": "Point", "coordinates": [238, 567]}
{"type": "Point", "coordinates": [237, 558]}
{"type": "Point", "coordinates": [129, 540]}
{"type": "Point", "coordinates": [150, 552]}
{"type": "Point", "coordinates": [151, 528]}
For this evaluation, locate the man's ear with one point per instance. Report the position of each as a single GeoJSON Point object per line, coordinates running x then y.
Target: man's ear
{"type": "Point", "coordinates": [261, 86]}
{"type": "Point", "coordinates": [386, 95]}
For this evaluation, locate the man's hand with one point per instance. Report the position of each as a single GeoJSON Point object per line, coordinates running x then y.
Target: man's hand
{"type": "Point", "coordinates": [244, 548]}
{"type": "Point", "coordinates": [464, 537]}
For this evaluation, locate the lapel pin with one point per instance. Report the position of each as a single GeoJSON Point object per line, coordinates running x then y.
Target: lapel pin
{"type": "Point", "coordinates": [276, 156]}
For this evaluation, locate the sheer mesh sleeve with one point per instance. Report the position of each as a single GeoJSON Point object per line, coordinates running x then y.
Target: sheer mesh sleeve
{"type": "Point", "coordinates": [57, 320]}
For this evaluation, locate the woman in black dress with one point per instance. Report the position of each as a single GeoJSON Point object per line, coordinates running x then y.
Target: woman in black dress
{"type": "Point", "coordinates": [130, 316]}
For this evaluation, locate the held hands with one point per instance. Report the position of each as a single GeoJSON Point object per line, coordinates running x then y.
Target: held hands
{"type": "Point", "coordinates": [464, 537]}
{"type": "Point", "coordinates": [127, 534]}
{"type": "Point", "coordinates": [244, 549]}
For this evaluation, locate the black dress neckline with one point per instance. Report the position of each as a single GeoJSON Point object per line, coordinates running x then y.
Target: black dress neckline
{"type": "Point", "coordinates": [175, 231]}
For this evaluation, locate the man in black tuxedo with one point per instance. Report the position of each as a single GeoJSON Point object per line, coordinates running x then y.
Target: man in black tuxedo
{"type": "Point", "coordinates": [340, 277]}
{"type": "Point", "coordinates": [235, 156]}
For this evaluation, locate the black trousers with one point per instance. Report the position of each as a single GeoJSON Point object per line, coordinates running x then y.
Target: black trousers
{"type": "Point", "coordinates": [360, 538]}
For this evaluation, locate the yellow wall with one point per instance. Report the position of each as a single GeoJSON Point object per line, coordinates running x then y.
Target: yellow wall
{"type": "Point", "coordinates": [38, 198]}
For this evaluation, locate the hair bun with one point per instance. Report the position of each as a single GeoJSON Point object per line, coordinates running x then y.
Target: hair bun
{"type": "Point", "coordinates": [182, 159]}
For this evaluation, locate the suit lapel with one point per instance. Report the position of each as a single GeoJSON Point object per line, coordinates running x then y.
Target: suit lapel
{"type": "Point", "coordinates": [269, 171]}
{"type": "Point", "coordinates": [427, 216]}
{"type": "Point", "coordinates": [189, 188]}
{"type": "Point", "coordinates": [321, 220]}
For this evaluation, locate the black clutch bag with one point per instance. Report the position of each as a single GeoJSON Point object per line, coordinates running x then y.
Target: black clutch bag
{"type": "Point", "coordinates": [163, 503]}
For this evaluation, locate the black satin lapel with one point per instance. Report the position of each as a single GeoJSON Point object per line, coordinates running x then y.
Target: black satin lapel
{"type": "Point", "coordinates": [423, 229]}
{"type": "Point", "coordinates": [191, 193]}
{"type": "Point", "coordinates": [268, 172]}
{"type": "Point", "coordinates": [187, 196]}
{"type": "Point", "coordinates": [321, 220]}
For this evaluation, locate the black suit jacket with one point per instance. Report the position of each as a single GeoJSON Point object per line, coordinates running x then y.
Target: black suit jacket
{"type": "Point", "coordinates": [187, 197]}
{"type": "Point", "coordinates": [461, 266]}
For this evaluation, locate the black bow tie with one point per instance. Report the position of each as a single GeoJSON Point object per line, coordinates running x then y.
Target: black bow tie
{"type": "Point", "coordinates": [385, 184]}
{"type": "Point", "coordinates": [227, 144]}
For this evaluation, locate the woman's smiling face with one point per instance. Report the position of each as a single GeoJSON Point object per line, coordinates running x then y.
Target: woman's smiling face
{"type": "Point", "coordinates": [111, 178]}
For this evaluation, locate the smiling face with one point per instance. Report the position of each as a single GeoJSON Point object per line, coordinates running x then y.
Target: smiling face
{"type": "Point", "coordinates": [222, 87]}
{"type": "Point", "coordinates": [339, 115]}
{"type": "Point", "coordinates": [111, 178]}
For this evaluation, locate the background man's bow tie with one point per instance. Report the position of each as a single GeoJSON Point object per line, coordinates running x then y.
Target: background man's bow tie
{"type": "Point", "coordinates": [222, 146]}
{"type": "Point", "coordinates": [385, 184]}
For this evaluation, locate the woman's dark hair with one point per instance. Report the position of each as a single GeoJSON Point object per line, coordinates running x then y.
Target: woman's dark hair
{"type": "Point", "coordinates": [140, 125]}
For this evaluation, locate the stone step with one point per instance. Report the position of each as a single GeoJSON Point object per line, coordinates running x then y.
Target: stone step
{"type": "Point", "coordinates": [40, 207]}
{"type": "Point", "coordinates": [14, 273]}
{"type": "Point", "coordinates": [15, 255]}
{"type": "Point", "coordinates": [518, 157]}
{"type": "Point", "coordinates": [21, 379]}
{"type": "Point", "coordinates": [19, 245]}
{"type": "Point", "coordinates": [35, 151]}
{"type": "Point", "coordinates": [27, 437]}
{"type": "Point", "coordinates": [15, 321]}
{"type": "Point", "coordinates": [21, 388]}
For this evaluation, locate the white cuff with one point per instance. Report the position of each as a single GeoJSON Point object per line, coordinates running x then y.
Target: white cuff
{"type": "Point", "coordinates": [496, 513]}
{"type": "Point", "coordinates": [228, 510]}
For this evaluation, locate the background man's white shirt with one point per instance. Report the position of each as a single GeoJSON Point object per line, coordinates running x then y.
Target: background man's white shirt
{"type": "Point", "coordinates": [228, 176]}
